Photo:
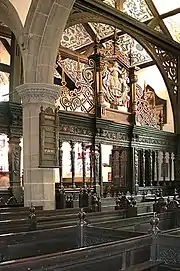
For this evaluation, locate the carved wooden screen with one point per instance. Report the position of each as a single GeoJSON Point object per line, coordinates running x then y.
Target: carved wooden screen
{"type": "Point", "coordinates": [115, 165]}
{"type": "Point", "coordinates": [77, 96]}
{"type": "Point", "coordinates": [120, 167]}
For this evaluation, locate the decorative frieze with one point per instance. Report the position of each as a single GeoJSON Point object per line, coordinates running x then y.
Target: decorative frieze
{"type": "Point", "coordinates": [74, 130]}
{"type": "Point", "coordinates": [112, 135]}
{"type": "Point", "coordinates": [139, 139]}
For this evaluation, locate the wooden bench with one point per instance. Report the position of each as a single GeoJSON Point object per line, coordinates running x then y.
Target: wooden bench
{"type": "Point", "coordinates": [107, 256]}
{"type": "Point", "coordinates": [55, 219]}
{"type": "Point", "coordinates": [146, 266]}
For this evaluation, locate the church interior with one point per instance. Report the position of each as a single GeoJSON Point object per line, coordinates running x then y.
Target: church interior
{"type": "Point", "coordinates": [89, 135]}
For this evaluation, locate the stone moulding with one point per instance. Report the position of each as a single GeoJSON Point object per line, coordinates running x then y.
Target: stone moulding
{"type": "Point", "coordinates": [38, 93]}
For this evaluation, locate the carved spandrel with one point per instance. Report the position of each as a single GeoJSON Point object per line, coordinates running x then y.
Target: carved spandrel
{"type": "Point", "coordinates": [169, 64]}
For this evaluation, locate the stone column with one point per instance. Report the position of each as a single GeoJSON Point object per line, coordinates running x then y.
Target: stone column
{"type": "Point", "coordinates": [39, 183]}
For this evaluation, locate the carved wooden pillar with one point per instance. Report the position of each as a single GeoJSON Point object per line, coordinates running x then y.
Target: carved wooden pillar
{"type": "Point", "coordinates": [84, 163]}
{"type": "Point", "coordinates": [60, 164]}
{"type": "Point", "coordinates": [133, 81]}
{"type": "Point", "coordinates": [135, 171]}
{"type": "Point", "coordinates": [98, 89]}
{"type": "Point", "coordinates": [100, 171]}
{"type": "Point", "coordinates": [97, 168]}
{"type": "Point", "coordinates": [173, 166]}
{"type": "Point", "coordinates": [115, 166]}
{"type": "Point", "coordinates": [170, 165]}
{"type": "Point", "coordinates": [150, 168]}
{"type": "Point", "coordinates": [91, 165]}
{"type": "Point", "coordinates": [14, 158]}
{"type": "Point", "coordinates": [164, 167]}
{"type": "Point", "coordinates": [157, 166]}
{"type": "Point", "coordinates": [143, 167]}
{"type": "Point", "coordinates": [72, 154]}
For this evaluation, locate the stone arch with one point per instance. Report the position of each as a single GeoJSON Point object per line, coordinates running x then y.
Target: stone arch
{"type": "Point", "coordinates": [86, 17]}
{"type": "Point", "coordinates": [10, 17]}
{"type": "Point", "coordinates": [44, 26]}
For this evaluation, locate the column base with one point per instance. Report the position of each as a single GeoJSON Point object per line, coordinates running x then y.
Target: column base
{"type": "Point", "coordinates": [39, 188]}
{"type": "Point", "coordinates": [17, 192]}
{"type": "Point", "coordinates": [97, 189]}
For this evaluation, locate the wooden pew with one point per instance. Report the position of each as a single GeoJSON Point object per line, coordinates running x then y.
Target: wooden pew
{"type": "Point", "coordinates": [168, 220]}
{"type": "Point", "coordinates": [55, 219]}
{"type": "Point", "coordinates": [115, 255]}
{"type": "Point", "coordinates": [30, 244]}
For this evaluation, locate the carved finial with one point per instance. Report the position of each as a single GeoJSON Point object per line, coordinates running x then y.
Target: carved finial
{"type": "Point", "coordinates": [154, 222]}
{"type": "Point", "coordinates": [32, 218]}
{"type": "Point", "coordinates": [82, 216]}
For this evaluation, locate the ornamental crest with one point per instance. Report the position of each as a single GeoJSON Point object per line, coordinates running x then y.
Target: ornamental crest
{"type": "Point", "coordinates": [115, 76]}
{"type": "Point", "coordinates": [115, 83]}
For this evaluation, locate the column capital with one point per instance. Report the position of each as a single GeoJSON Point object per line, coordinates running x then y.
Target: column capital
{"type": "Point", "coordinates": [38, 93]}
